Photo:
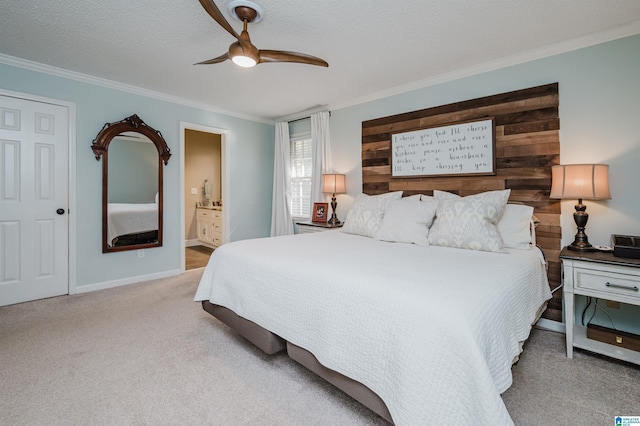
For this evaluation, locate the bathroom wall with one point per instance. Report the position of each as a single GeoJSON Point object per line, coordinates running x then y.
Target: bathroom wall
{"type": "Point", "coordinates": [202, 156]}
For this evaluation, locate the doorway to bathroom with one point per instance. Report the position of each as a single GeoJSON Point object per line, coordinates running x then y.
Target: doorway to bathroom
{"type": "Point", "coordinates": [203, 193]}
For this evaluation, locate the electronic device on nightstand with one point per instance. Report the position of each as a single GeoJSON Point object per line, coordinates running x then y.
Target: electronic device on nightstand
{"type": "Point", "coordinates": [626, 246]}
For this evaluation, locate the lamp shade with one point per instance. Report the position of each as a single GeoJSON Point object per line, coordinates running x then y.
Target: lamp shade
{"type": "Point", "coordinates": [580, 181]}
{"type": "Point", "coordinates": [334, 184]}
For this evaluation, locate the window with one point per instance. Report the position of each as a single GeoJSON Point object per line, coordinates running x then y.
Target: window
{"type": "Point", "coordinates": [301, 169]}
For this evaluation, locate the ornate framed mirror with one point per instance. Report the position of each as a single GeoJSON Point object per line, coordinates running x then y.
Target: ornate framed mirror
{"type": "Point", "coordinates": [132, 156]}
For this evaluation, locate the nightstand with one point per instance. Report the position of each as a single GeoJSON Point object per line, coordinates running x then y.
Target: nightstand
{"type": "Point", "coordinates": [602, 275]}
{"type": "Point", "coordinates": [309, 227]}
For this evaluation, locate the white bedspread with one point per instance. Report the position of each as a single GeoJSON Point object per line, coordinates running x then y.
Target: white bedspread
{"type": "Point", "coordinates": [432, 330]}
{"type": "Point", "coordinates": [123, 219]}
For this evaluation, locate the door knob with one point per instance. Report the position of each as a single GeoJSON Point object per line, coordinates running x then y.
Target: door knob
{"type": "Point", "coordinates": [60, 211]}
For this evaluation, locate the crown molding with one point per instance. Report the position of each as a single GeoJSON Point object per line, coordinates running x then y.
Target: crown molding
{"type": "Point", "coordinates": [627, 30]}
{"type": "Point", "coordinates": [622, 31]}
{"type": "Point", "coordinates": [110, 84]}
{"type": "Point", "coordinates": [303, 114]}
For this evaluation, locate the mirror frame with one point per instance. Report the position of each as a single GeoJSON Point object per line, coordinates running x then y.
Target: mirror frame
{"type": "Point", "coordinates": [100, 147]}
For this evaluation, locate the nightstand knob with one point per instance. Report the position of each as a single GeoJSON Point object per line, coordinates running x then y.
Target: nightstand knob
{"type": "Point", "coordinates": [618, 339]}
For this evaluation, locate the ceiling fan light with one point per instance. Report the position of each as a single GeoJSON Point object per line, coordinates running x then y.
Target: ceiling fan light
{"type": "Point", "coordinates": [244, 61]}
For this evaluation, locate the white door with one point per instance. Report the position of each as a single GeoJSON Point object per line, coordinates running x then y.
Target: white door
{"type": "Point", "coordinates": [34, 224]}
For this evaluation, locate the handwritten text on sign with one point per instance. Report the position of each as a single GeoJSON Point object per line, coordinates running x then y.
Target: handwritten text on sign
{"type": "Point", "coordinates": [465, 148]}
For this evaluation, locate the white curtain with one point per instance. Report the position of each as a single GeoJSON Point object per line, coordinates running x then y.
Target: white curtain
{"type": "Point", "coordinates": [281, 222]}
{"type": "Point", "coordinates": [321, 145]}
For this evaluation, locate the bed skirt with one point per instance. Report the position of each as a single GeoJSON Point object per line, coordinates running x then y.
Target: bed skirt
{"type": "Point", "coordinates": [270, 344]}
{"type": "Point", "coordinates": [265, 340]}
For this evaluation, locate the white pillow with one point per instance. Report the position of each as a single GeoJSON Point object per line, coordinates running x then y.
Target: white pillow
{"type": "Point", "coordinates": [407, 221]}
{"type": "Point", "coordinates": [469, 222]}
{"type": "Point", "coordinates": [420, 197]}
{"type": "Point", "coordinates": [365, 216]}
{"type": "Point", "coordinates": [515, 226]}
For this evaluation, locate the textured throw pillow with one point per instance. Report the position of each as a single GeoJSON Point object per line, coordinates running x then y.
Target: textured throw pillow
{"type": "Point", "coordinates": [469, 222]}
{"type": "Point", "coordinates": [365, 216]}
{"type": "Point", "coordinates": [407, 221]}
{"type": "Point", "coordinates": [515, 226]}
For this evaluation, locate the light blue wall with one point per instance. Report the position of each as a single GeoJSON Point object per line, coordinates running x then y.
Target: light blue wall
{"type": "Point", "coordinates": [599, 113]}
{"type": "Point", "coordinates": [250, 148]}
{"type": "Point", "coordinates": [599, 123]}
{"type": "Point", "coordinates": [133, 171]}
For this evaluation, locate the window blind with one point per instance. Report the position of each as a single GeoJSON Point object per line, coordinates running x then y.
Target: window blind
{"type": "Point", "coordinates": [301, 169]}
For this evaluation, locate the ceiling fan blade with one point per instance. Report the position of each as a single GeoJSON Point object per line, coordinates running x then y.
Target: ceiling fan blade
{"type": "Point", "coordinates": [215, 13]}
{"type": "Point", "coordinates": [217, 60]}
{"type": "Point", "coordinates": [282, 56]}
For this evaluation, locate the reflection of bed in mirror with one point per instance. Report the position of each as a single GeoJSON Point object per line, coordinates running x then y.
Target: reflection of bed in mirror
{"type": "Point", "coordinates": [132, 212]}
{"type": "Point", "coordinates": [132, 223]}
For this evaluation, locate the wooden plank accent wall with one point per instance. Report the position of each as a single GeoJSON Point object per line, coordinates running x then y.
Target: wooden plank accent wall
{"type": "Point", "coordinates": [527, 145]}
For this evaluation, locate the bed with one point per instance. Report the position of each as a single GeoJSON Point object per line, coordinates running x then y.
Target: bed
{"type": "Point", "coordinates": [420, 331]}
{"type": "Point", "coordinates": [129, 219]}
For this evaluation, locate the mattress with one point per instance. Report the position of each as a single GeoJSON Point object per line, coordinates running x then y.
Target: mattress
{"type": "Point", "coordinates": [431, 330]}
{"type": "Point", "coordinates": [125, 218]}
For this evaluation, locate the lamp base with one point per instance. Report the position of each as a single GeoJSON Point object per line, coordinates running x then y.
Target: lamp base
{"type": "Point", "coordinates": [581, 241]}
{"type": "Point", "coordinates": [334, 218]}
{"type": "Point", "coordinates": [581, 247]}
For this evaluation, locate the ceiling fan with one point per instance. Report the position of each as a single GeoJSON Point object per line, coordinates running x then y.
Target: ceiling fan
{"type": "Point", "coordinates": [242, 52]}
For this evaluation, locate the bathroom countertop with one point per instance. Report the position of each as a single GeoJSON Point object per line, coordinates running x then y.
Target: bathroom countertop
{"type": "Point", "coordinates": [209, 207]}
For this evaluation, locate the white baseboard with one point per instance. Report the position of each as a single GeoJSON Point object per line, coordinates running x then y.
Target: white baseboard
{"type": "Point", "coordinates": [126, 281]}
{"type": "Point", "coordinates": [547, 324]}
{"type": "Point", "coordinates": [191, 243]}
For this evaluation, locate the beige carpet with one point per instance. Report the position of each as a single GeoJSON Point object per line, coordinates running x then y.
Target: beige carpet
{"type": "Point", "coordinates": [147, 354]}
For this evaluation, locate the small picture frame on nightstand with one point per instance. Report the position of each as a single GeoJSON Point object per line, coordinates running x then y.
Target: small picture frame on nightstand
{"type": "Point", "coordinates": [320, 212]}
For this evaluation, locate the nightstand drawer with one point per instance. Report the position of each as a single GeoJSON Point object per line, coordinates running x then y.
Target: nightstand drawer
{"type": "Point", "coordinates": [610, 282]}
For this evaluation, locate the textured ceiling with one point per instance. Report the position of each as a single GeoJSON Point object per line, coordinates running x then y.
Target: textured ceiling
{"type": "Point", "coordinates": [372, 46]}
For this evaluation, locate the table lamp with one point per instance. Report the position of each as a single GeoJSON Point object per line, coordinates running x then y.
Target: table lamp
{"type": "Point", "coordinates": [333, 184]}
{"type": "Point", "coordinates": [581, 181]}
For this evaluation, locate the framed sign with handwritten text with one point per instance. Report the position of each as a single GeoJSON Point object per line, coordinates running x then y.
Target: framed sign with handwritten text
{"type": "Point", "coordinates": [467, 148]}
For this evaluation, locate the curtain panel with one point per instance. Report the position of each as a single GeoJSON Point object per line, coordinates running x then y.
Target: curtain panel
{"type": "Point", "coordinates": [281, 221]}
{"type": "Point", "coordinates": [321, 145]}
